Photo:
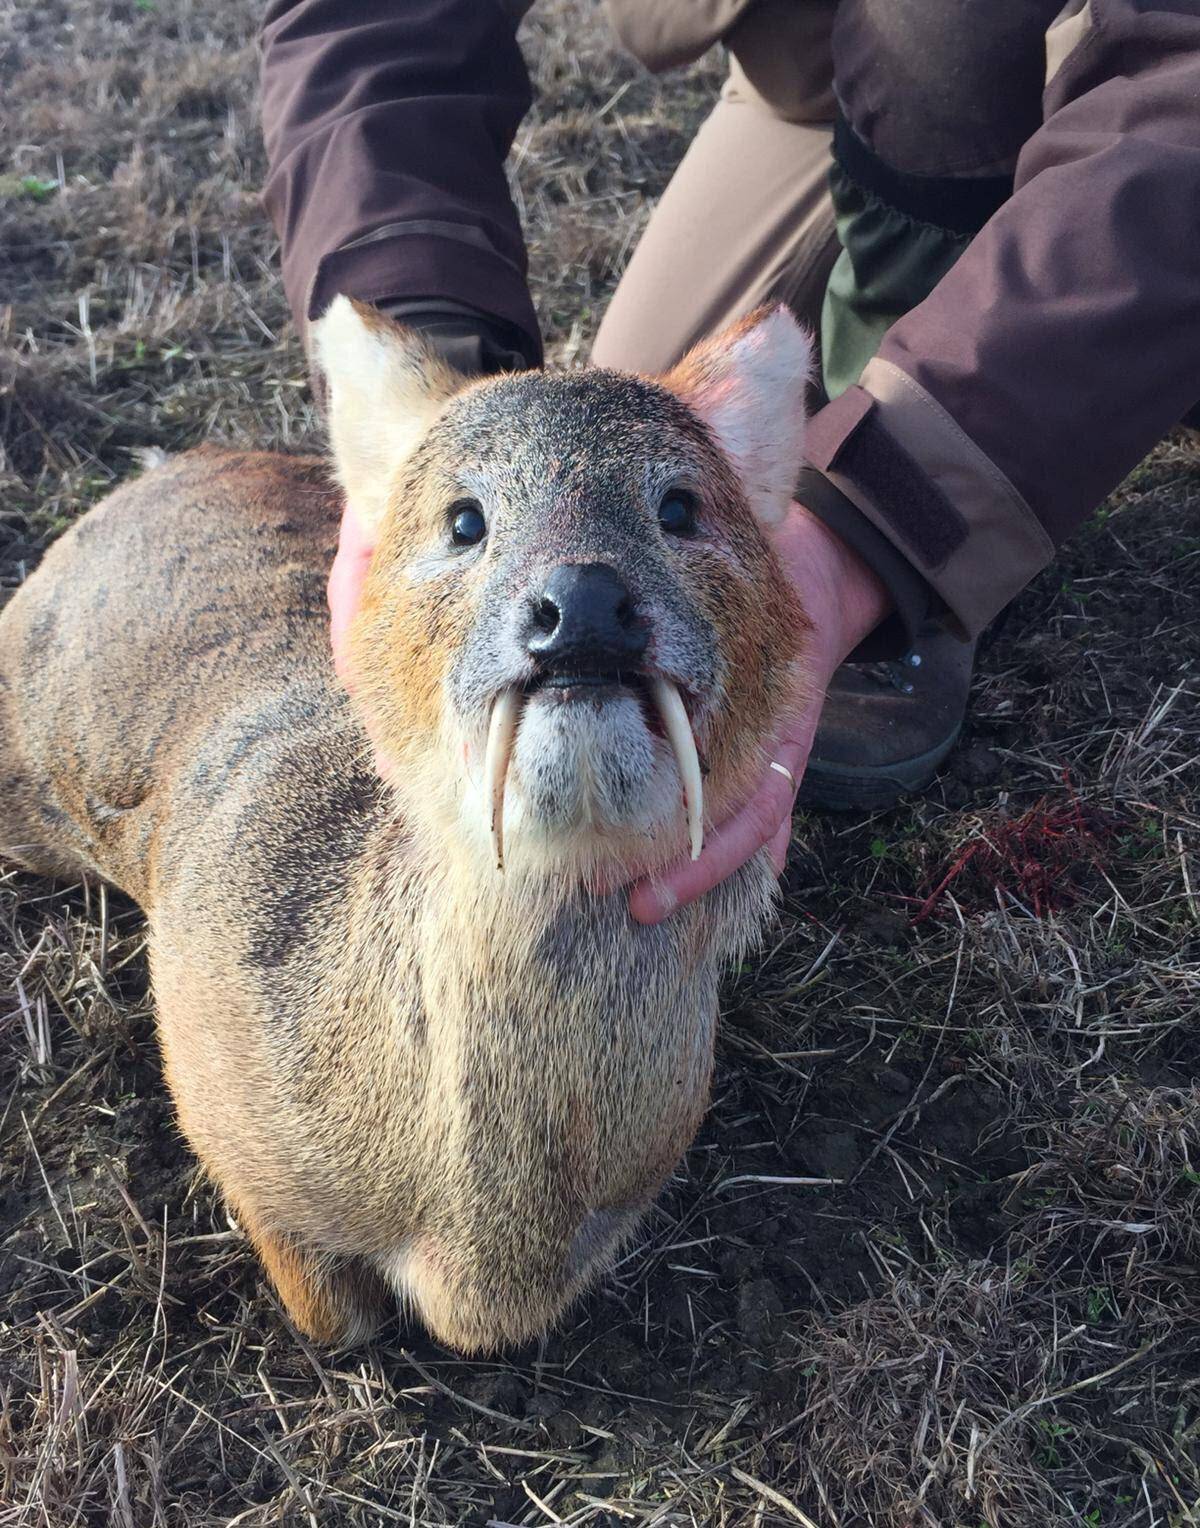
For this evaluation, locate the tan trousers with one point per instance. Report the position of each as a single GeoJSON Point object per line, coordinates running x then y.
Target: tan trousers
{"type": "Point", "coordinates": [747, 217]}
{"type": "Point", "coordinates": [939, 90]}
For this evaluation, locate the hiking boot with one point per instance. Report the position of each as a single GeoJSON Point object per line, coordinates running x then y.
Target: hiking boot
{"type": "Point", "coordinates": [886, 727]}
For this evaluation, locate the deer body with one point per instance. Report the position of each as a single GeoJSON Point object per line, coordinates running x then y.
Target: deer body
{"type": "Point", "coordinates": [414, 1076]}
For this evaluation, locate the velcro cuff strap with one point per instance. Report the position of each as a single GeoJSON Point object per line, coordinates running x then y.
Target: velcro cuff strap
{"type": "Point", "coordinates": [846, 437]}
{"type": "Point", "coordinates": [472, 342]}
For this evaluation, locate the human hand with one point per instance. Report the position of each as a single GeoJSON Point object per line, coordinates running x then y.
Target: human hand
{"type": "Point", "coordinates": [344, 590]}
{"type": "Point", "coordinates": [844, 601]}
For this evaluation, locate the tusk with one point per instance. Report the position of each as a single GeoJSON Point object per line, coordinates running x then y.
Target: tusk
{"type": "Point", "coordinates": [502, 729]}
{"type": "Point", "coordinates": [679, 733]}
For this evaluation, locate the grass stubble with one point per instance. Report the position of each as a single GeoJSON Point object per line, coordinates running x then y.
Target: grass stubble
{"type": "Point", "coordinates": [935, 1259]}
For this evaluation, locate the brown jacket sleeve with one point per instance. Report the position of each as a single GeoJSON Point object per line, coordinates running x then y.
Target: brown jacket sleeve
{"type": "Point", "coordinates": [1066, 340]}
{"type": "Point", "coordinates": [387, 124]}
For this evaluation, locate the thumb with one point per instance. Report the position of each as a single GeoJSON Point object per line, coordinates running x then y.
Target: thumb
{"type": "Point", "coordinates": [344, 590]}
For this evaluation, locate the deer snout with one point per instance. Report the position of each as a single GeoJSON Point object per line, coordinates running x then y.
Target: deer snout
{"type": "Point", "coordinates": [584, 618]}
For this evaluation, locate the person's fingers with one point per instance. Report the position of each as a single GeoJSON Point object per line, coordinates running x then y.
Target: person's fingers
{"type": "Point", "coordinates": [345, 585]}
{"type": "Point", "coordinates": [759, 822]}
{"type": "Point", "coordinates": [344, 590]}
{"type": "Point", "coordinates": [385, 767]}
{"type": "Point", "coordinates": [779, 845]}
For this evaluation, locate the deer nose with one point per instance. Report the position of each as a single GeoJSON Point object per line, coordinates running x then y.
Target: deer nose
{"type": "Point", "coordinates": [585, 615]}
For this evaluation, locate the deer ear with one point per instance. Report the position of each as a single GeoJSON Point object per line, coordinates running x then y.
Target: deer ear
{"type": "Point", "coordinates": [747, 384]}
{"type": "Point", "coordinates": [386, 386]}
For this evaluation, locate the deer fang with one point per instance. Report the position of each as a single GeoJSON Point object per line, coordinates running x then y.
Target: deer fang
{"type": "Point", "coordinates": [502, 730]}
{"type": "Point", "coordinates": [679, 734]}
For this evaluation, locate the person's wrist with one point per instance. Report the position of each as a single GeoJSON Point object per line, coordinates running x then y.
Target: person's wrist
{"type": "Point", "coordinates": [846, 600]}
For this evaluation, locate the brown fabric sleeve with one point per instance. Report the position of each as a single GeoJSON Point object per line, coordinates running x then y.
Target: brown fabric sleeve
{"type": "Point", "coordinates": [664, 34]}
{"type": "Point", "coordinates": [1062, 345]}
{"type": "Point", "coordinates": [386, 127]}
{"type": "Point", "coordinates": [905, 464]}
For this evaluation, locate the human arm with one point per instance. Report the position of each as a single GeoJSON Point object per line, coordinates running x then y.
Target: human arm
{"type": "Point", "coordinates": [1060, 347]}
{"type": "Point", "coordinates": [1043, 366]}
{"type": "Point", "coordinates": [387, 127]}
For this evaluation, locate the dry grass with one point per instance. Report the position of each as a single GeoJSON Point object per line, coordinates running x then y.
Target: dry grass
{"type": "Point", "coordinates": [933, 1260]}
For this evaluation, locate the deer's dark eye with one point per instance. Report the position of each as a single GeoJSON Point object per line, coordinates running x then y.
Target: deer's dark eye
{"type": "Point", "coordinates": [677, 514]}
{"type": "Point", "coordinates": [468, 527]}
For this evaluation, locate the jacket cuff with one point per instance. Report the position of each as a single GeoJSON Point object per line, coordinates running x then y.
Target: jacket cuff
{"type": "Point", "coordinates": [901, 459]}
{"type": "Point", "coordinates": [474, 343]}
{"type": "Point", "coordinates": [911, 596]}
{"type": "Point", "coordinates": [430, 261]}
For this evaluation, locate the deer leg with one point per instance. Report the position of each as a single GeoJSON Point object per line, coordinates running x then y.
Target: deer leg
{"type": "Point", "coordinates": [337, 1301]}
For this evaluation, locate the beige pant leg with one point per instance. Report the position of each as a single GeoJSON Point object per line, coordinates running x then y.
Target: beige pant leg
{"type": "Point", "coordinates": [746, 219]}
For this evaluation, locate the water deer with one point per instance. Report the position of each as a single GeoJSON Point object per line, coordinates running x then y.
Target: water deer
{"type": "Point", "coordinates": [408, 1024]}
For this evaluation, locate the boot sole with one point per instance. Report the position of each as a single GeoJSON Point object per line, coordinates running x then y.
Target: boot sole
{"type": "Point", "coordinates": [870, 787]}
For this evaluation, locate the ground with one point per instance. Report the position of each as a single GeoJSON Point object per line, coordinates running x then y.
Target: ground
{"type": "Point", "coordinates": [935, 1257]}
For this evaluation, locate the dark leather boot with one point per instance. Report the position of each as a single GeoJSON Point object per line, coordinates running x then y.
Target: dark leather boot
{"type": "Point", "coordinates": [886, 727]}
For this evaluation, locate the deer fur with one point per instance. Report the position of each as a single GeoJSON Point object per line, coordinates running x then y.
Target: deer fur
{"type": "Point", "coordinates": [414, 1076]}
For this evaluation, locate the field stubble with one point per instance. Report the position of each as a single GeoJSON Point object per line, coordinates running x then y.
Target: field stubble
{"type": "Point", "coordinates": [935, 1258]}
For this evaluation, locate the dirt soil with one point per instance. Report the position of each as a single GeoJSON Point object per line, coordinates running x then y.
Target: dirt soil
{"type": "Point", "coordinates": [935, 1256]}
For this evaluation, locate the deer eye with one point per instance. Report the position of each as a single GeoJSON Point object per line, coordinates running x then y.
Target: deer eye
{"type": "Point", "coordinates": [677, 513]}
{"type": "Point", "coordinates": [468, 527]}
